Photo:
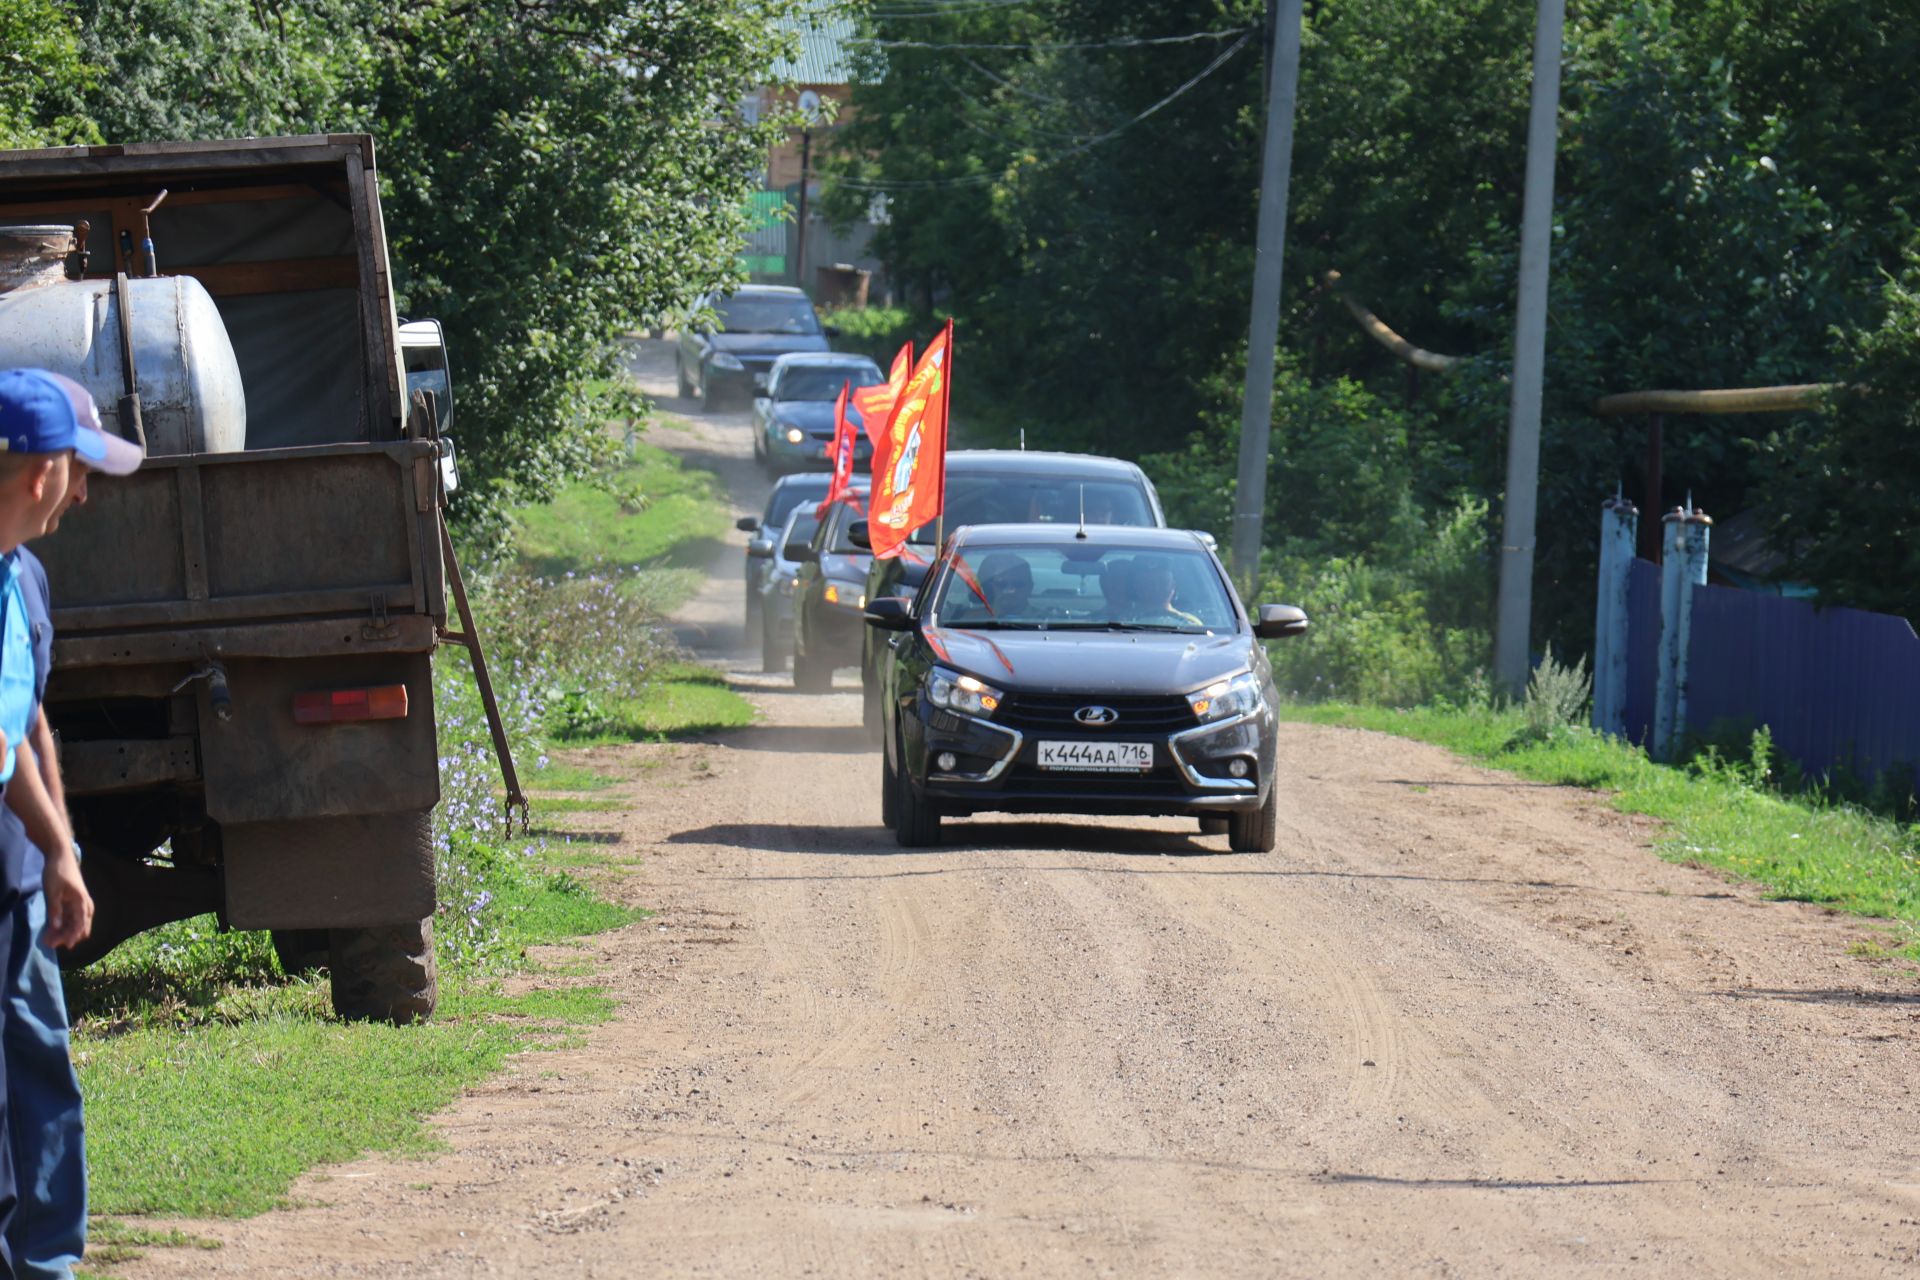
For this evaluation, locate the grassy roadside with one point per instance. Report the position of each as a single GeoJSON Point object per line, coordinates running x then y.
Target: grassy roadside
{"type": "Point", "coordinates": [213, 1079]}
{"type": "Point", "coordinates": [1721, 811]}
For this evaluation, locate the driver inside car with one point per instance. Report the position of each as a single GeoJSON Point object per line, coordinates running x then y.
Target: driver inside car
{"type": "Point", "coordinates": [1153, 597]}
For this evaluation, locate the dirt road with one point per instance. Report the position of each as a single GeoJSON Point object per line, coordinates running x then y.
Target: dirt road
{"type": "Point", "coordinates": [1455, 1025]}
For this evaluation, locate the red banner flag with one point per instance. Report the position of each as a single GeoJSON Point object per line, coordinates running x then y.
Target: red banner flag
{"type": "Point", "coordinates": [910, 460]}
{"type": "Point", "coordinates": [841, 454]}
{"type": "Point", "coordinates": [876, 403]}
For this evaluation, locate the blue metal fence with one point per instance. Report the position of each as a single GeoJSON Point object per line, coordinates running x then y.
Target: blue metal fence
{"type": "Point", "coordinates": [1837, 688]}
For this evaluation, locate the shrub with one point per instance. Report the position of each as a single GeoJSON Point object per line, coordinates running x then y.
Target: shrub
{"type": "Point", "coordinates": [1556, 701]}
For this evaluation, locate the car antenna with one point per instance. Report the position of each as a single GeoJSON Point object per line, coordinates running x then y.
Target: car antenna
{"type": "Point", "coordinates": [1081, 534]}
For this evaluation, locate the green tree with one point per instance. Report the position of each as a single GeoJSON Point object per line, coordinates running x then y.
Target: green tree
{"type": "Point", "coordinates": [555, 173]}
{"type": "Point", "coordinates": [1843, 492]}
{"type": "Point", "coordinates": [41, 68]}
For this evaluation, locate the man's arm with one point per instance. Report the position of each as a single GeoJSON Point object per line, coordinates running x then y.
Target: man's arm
{"type": "Point", "coordinates": [43, 751]}
{"type": "Point", "coordinates": [69, 908]}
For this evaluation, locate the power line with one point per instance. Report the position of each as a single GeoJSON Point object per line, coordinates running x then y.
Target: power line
{"type": "Point", "coordinates": [975, 179]}
{"type": "Point", "coordinates": [1125, 42]}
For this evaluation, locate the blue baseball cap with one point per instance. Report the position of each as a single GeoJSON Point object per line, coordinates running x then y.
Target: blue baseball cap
{"type": "Point", "coordinates": [41, 412]}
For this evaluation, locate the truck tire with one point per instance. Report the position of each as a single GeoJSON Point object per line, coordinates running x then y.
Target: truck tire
{"type": "Point", "coordinates": [301, 951]}
{"type": "Point", "coordinates": [386, 974]}
{"type": "Point", "coordinates": [1256, 830]}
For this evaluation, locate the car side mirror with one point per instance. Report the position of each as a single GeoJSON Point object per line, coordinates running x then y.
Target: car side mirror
{"type": "Point", "coordinates": [831, 330]}
{"type": "Point", "coordinates": [760, 549]}
{"type": "Point", "coordinates": [747, 524]}
{"type": "Point", "coordinates": [890, 613]}
{"type": "Point", "coordinates": [857, 534]}
{"type": "Point", "coordinates": [800, 552]}
{"type": "Point", "coordinates": [1279, 621]}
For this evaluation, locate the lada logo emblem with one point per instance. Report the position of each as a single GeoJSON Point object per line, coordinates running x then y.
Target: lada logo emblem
{"type": "Point", "coordinates": [1096, 716]}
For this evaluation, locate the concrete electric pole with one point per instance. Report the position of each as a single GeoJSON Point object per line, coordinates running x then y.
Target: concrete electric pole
{"type": "Point", "coordinates": [1256, 412]}
{"type": "Point", "coordinates": [1510, 640]}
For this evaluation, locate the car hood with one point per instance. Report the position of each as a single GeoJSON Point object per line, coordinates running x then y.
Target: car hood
{"type": "Point", "coordinates": [766, 344]}
{"type": "Point", "coordinates": [1092, 662]}
{"type": "Point", "coordinates": [808, 415]}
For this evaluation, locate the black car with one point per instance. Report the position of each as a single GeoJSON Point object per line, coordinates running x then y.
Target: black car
{"type": "Point", "coordinates": [1055, 669]}
{"type": "Point", "coordinates": [758, 323]}
{"type": "Point", "coordinates": [788, 493]}
{"type": "Point", "coordinates": [1002, 486]}
{"type": "Point", "coordinates": [828, 597]}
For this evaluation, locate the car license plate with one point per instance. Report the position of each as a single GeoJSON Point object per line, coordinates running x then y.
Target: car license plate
{"type": "Point", "coordinates": [1097, 757]}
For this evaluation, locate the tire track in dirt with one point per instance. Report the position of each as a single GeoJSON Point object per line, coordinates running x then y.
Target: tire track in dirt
{"type": "Point", "coordinates": [1084, 1048]}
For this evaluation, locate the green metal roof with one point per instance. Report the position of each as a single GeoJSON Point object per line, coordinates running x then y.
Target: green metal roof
{"type": "Point", "coordinates": [824, 30]}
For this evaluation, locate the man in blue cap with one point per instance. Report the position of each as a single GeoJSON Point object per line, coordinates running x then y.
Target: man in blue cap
{"type": "Point", "coordinates": [49, 1230]}
{"type": "Point", "coordinates": [49, 441]}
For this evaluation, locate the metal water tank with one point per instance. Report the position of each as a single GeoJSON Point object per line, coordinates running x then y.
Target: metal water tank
{"type": "Point", "coordinates": [191, 398]}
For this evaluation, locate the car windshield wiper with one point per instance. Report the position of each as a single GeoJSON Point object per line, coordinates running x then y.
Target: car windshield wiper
{"type": "Point", "coordinates": [995, 624]}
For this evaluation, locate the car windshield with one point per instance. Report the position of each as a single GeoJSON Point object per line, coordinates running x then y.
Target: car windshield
{"type": "Point", "coordinates": [766, 315]}
{"type": "Point", "coordinates": [823, 382]}
{"type": "Point", "coordinates": [1029, 499]}
{"type": "Point", "coordinates": [1084, 586]}
{"type": "Point", "coordinates": [788, 496]}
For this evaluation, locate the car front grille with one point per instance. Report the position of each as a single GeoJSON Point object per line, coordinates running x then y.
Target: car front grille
{"type": "Point", "coordinates": [1033, 713]}
{"type": "Point", "coordinates": [1155, 784]}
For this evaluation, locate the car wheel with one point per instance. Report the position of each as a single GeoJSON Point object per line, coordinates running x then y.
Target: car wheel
{"type": "Point", "coordinates": [772, 657]}
{"type": "Point", "coordinates": [1257, 830]}
{"type": "Point", "coordinates": [889, 800]}
{"type": "Point", "coordinates": [752, 605]}
{"type": "Point", "coordinates": [1214, 826]}
{"type": "Point", "coordinates": [708, 398]}
{"type": "Point", "coordinates": [811, 674]}
{"type": "Point", "coordinates": [916, 819]}
{"type": "Point", "coordinates": [682, 383]}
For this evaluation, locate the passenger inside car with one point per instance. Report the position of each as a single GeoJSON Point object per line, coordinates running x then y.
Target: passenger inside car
{"type": "Point", "coordinates": [1153, 593]}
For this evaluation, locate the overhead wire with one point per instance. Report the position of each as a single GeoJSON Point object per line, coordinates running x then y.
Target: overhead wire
{"type": "Point", "coordinates": [1124, 42]}
{"type": "Point", "coordinates": [976, 179]}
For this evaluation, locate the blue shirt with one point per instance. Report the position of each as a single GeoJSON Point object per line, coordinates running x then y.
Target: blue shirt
{"type": "Point", "coordinates": [26, 656]}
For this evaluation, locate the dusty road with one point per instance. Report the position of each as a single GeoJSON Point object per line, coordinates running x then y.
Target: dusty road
{"type": "Point", "coordinates": [1455, 1025]}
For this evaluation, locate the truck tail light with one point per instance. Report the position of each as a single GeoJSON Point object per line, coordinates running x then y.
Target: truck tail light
{"type": "Point", "coordinates": [338, 706]}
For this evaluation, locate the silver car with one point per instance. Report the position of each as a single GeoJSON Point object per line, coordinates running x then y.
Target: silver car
{"type": "Point", "coordinates": [777, 584]}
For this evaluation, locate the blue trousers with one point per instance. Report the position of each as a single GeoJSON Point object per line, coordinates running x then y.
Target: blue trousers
{"type": "Point", "coordinates": [49, 1228]}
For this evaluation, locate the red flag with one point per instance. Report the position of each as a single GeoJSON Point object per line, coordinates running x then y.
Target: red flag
{"type": "Point", "coordinates": [876, 403]}
{"type": "Point", "coordinates": [910, 460]}
{"type": "Point", "coordinates": [841, 453]}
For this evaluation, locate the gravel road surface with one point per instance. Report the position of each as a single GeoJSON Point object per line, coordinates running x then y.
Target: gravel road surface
{"type": "Point", "coordinates": [1456, 1024]}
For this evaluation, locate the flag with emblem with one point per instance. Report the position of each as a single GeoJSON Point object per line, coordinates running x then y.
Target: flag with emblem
{"type": "Point", "coordinates": [876, 403]}
{"type": "Point", "coordinates": [840, 453]}
{"type": "Point", "coordinates": [910, 459]}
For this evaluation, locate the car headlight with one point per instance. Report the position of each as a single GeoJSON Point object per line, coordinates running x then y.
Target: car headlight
{"type": "Point", "coordinates": [850, 596]}
{"type": "Point", "coordinates": [1224, 699]}
{"type": "Point", "coordinates": [796, 436]}
{"type": "Point", "coordinates": [721, 360]}
{"type": "Point", "coordinates": [952, 691]}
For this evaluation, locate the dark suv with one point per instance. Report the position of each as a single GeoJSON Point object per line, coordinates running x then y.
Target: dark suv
{"type": "Point", "coordinates": [1001, 486]}
{"type": "Point", "coordinates": [828, 598]}
{"type": "Point", "coordinates": [758, 324]}
{"type": "Point", "coordinates": [1054, 669]}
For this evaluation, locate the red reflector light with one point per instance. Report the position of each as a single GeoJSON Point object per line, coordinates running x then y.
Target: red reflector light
{"type": "Point", "coordinates": [336, 706]}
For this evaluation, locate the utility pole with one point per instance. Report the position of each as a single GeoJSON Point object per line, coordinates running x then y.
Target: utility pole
{"type": "Point", "coordinates": [1515, 611]}
{"type": "Point", "coordinates": [800, 222]}
{"type": "Point", "coordinates": [1263, 330]}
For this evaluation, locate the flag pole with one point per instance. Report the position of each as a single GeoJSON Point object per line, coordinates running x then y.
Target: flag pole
{"type": "Point", "coordinates": [946, 436]}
